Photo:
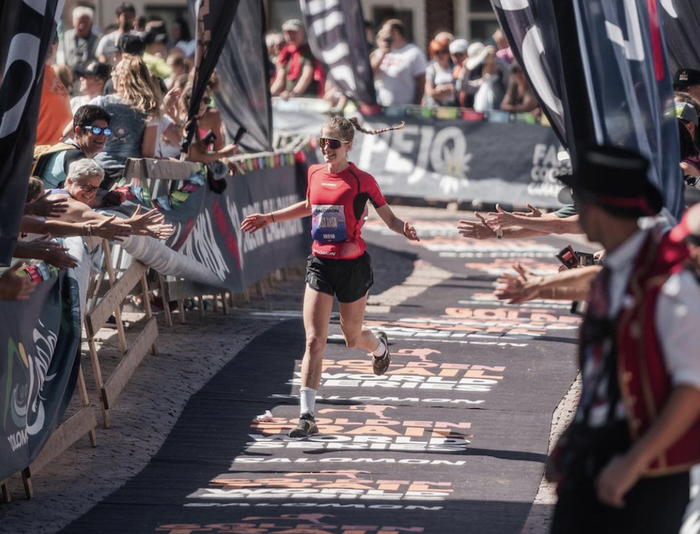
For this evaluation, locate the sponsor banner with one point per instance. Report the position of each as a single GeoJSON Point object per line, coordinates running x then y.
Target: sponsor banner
{"type": "Point", "coordinates": [336, 35]}
{"type": "Point", "coordinates": [244, 97]}
{"type": "Point", "coordinates": [681, 19]}
{"type": "Point", "coordinates": [208, 230]}
{"type": "Point", "coordinates": [39, 362]}
{"type": "Point", "coordinates": [27, 29]}
{"type": "Point", "coordinates": [630, 86]}
{"type": "Point", "coordinates": [459, 160]}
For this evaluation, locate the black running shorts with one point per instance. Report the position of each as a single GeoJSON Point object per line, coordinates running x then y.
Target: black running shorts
{"type": "Point", "coordinates": [349, 280]}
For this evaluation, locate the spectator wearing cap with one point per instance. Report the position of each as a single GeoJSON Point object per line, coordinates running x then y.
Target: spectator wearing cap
{"type": "Point", "coordinates": [107, 48]}
{"type": "Point", "coordinates": [519, 97]}
{"type": "Point", "coordinates": [439, 81]}
{"type": "Point", "coordinates": [458, 51]}
{"type": "Point", "coordinates": [298, 73]}
{"type": "Point", "coordinates": [623, 463]}
{"type": "Point", "coordinates": [90, 133]}
{"type": "Point", "coordinates": [688, 80]}
{"type": "Point", "coordinates": [79, 43]}
{"type": "Point", "coordinates": [54, 109]}
{"type": "Point", "coordinates": [93, 78]}
{"type": "Point", "coordinates": [399, 67]}
{"type": "Point", "coordinates": [482, 78]}
{"type": "Point", "coordinates": [156, 41]}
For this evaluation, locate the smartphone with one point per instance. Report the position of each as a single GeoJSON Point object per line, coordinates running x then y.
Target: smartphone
{"type": "Point", "coordinates": [240, 133]}
{"type": "Point", "coordinates": [584, 258]}
{"type": "Point", "coordinates": [568, 257]}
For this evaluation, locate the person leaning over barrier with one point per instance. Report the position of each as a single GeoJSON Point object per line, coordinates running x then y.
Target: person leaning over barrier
{"type": "Point", "coordinates": [622, 466]}
{"type": "Point", "coordinates": [82, 183]}
{"type": "Point", "coordinates": [339, 266]}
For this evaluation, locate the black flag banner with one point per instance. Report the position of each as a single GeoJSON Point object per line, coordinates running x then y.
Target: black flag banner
{"type": "Point", "coordinates": [531, 31]}
{"type": "Point", "coordinates": [681, 20]}
{"type": "Point", "coordinates": [27, 29]}
{"type": "Point", "coordinates": [244, 94]}
{"type": "Point", "coordinates": [213, 19]}
{"type": "Point", "coordinates": [336, 34]}
{"type": "Point", "coordinates": [629, 83]}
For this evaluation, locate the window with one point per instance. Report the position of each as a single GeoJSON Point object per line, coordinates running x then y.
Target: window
{"type": "Point", "coordinates": [482, 20]}
{"type": "Point", "coordinates": [282, 10]}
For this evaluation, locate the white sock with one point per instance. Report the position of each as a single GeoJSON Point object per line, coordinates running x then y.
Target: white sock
{"type": "Point", "coordinates": [380, 350]}
{"type": "Point", "coordinates": [307, 400]}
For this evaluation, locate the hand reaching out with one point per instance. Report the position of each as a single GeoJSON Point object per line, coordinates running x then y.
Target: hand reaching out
{"type": "Point", "coordinates": [256, 221]}
{"type": "Point", "coordinates": [476, 229]}
{"type": "Point", "coordinates": [42, 207]}
{"type": "Point", "coordinates": [409, 231]}
{"type": "Point", "coordinates": [13, 286]}
{"type": "Point", "coordinates": [534, 212]}
{"type": "Point", "coordinates": [520, 288]}
{"type": "Point", "coordinates": [500, 219]}
{"type": "Point", "coordinates": [111, 228]}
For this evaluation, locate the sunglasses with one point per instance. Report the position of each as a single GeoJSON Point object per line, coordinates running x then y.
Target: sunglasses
{"type": "Point", "coordinates": [206, 100]}
{"type": "Point", "coordinates": [330, 142]}
{"type": "Point", "coordinates": [97, 130]}
{"type": "Point", "coordinates": [87, 187]}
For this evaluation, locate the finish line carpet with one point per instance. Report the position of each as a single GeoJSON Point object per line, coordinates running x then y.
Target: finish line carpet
{"type": "Point", "coordinates": [452, 439]}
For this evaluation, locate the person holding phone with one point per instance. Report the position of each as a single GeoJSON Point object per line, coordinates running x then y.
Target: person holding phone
{"type": "Point", "coordinates": [339, 266]}
{"type": "Point", "coordinates": [399, 67]}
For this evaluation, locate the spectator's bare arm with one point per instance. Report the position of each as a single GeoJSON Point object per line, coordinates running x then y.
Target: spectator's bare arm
{"type": "Point", "coordinates": [307, 76]}
{"type": "Point", "coordinates": [546, 224]}
{"type": "Point", "coordinates": [278, 83]}
{"type": "Point", "coordinates": [573, 284]}
{"type": "Point", "coordinates": [47, 251]}
{"type": "Point", "coordinates": [148, 141]}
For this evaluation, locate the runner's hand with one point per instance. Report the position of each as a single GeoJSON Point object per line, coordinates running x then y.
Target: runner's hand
{"type": "Point", "coordinates": [256, 221]}
{"type": "Point", "coordinates": [409, 232]}
{"type": "Point", "coordinates": [42, 207]}
{"type": "Point", "coordinates": [13, 286]}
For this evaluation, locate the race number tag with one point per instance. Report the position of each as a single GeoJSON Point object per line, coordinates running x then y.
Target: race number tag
{"type": "Point", "coordinates": [328, 224]}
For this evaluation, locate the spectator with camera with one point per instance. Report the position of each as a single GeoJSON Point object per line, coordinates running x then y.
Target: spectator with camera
{"type": "Point", "coordinates": [106, 50]}
{"type": "Point", "coordinates": [399, 67]}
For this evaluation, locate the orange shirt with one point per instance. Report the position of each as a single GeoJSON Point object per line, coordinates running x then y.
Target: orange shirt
{"type": "Point", "coordinates": [54, 112]}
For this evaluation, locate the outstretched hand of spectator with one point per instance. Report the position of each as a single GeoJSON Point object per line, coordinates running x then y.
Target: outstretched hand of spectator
{"type": "Point", "coordinates": [476, 229]}
{"type": "Point", "coordinates": [520, 288]}
{"type": "Point", "coordinates": [111, 228]}
{"type": "Point", "coordinates": [13, 286]}
{"type": "Point", "coordinates": [534, 212]}
{"type": "Point", "coordinates": [42, 207]}
{"type": "Point", "coordinates": [150, 224]}
{"type": "Point", "coordinates": [500, 219]}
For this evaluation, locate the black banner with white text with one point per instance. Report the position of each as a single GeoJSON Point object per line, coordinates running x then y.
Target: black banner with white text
{"type": "Point", "coordinates": [681, 19]}
{"type": "Point", "coordinates": [27, 29]}
{"type": "Point", "coordinates": [336, 34]}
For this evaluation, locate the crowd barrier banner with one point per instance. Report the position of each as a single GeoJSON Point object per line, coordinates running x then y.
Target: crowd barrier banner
{"type": "Point", "coordinates": [451, 160]}
{"type": "Point", "coordinates": [39, 364]}
{"type": "Point", "coordinates": [681, 20]}
{"type": "Point", "coordinates": [212, 248]}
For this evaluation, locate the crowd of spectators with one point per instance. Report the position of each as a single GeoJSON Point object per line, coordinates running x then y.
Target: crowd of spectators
{"type": "Point", "coordinates": [483, 76]}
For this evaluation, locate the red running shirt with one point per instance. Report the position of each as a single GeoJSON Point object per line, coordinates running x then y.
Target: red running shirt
{"type": "Point", "coordinates": [338, 203]}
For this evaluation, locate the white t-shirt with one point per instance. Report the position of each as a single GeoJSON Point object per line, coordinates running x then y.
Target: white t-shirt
{"type": "Point", "coordinates": [396, 83]}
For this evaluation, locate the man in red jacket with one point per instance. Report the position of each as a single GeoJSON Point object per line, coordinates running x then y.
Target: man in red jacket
{"type": "Point", "coordinates": [622, 465]}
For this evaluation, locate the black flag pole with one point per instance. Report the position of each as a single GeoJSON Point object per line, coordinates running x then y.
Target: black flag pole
{"type": "Point", "coordinates": [213, 19]}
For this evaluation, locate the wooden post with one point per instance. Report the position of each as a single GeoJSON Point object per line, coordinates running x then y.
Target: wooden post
{"type": "Point", "coordinates": [165, 296]}
{"type": "Point", "coordinates": [27, 481]}
{"type": "Point", "coordinates": [118, 310]}
{"type": "Point", "coordinates": [6, 495]}
{"type": "Point", "coordinates": [82, 391]}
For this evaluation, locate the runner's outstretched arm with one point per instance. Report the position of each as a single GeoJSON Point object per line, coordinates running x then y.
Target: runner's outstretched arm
{"type": "Point", "coordinates": [396, 224]}
{"type": "Point", "coordinates": [256, 221]}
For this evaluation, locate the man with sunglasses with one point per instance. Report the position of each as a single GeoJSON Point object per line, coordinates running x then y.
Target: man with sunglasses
{"type": "Point", "coordinates": [91, 130]}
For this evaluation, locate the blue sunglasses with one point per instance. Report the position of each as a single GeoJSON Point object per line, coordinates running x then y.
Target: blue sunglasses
{"type": "Point", "coordinates": [97, 130]}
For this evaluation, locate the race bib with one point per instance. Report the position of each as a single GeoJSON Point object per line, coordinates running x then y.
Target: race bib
{"type": "Point", "coordinates": [328, 224]}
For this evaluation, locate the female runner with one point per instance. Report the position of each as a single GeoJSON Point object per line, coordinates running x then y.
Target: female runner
{"type": "Point", "coordinates": [339, 265]}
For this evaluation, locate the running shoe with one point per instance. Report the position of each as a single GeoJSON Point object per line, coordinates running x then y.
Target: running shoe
{"type": "Point", "coordinates": [305, 427]}
{"type": "Point", "coordinates": [380, 365]}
